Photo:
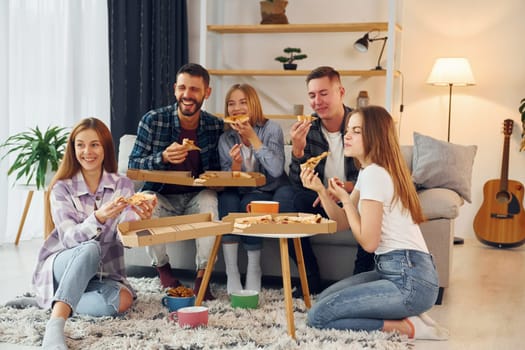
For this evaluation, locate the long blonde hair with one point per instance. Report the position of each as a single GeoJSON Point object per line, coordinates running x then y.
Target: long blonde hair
{"type": "Point", "coordinates": [381, 146]}
{"type": "Point", "coordinates": [69, 165]}
{"type": "Point", "coordinates": [254, 103]}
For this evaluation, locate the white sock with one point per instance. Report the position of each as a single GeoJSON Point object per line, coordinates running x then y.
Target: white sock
{"type": "Point", "coordinates": [253, 271]}
{"type": "Point", "coordinates": [426, 328]}
{"type": "Point", "coordinates": [233, 283]}
{"type": "Point", "coordinates": [54, 336]}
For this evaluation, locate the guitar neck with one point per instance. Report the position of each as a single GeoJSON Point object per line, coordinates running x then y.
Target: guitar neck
{"type": "Point", "coordinates": [504, 179]}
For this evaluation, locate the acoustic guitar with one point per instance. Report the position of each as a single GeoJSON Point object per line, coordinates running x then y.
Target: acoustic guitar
{"type": "Point", "coordinates": [500, 221]}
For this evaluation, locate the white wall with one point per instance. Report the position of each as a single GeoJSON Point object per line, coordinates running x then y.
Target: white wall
{"type": "Point", "coordinates": [485, 32]}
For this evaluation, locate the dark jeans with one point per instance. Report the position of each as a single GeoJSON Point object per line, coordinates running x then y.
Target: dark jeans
{"type": "Point", "coordinates": [295, 199]}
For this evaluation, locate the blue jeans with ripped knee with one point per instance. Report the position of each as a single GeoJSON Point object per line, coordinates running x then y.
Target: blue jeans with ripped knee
{"type": "Point", "coordinates": [76, 283]}
{"type": "Point", "coordinates": [404, 283]}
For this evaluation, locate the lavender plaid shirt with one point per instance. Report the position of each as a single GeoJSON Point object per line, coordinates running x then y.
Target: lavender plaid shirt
{"type": "Point", "coordinates": [72, 209]}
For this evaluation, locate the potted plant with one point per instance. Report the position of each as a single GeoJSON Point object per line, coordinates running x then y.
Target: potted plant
{"type": "Point", "coordinates": [522, 111]}
{"type": "Point", "coordinates": [36, 153]}
{"type": "Point", "coordinates": [273, 12]}
{"type": "Point", "coordinates": [294, 54]}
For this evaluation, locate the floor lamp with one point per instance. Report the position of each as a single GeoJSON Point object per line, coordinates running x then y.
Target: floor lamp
{"type": "Point", "coordinates": [451, 72]}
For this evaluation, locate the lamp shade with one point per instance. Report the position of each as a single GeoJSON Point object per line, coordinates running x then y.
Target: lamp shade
{"type": "Point", "coordinates": [361, 44]}
{"type": "Point", "coordinates": [451, 71]}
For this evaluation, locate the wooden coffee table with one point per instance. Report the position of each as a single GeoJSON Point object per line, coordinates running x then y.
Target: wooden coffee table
{"type": "Point", "coordinates": [285, 266]}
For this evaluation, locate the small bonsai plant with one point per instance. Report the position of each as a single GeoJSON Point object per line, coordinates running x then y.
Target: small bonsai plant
{"type": "Point", "coordinates": [522, 111]}
{"type": "Point", "coordinates": [34, 150]}
{"type": "Point", "coordinates": [294, 54]}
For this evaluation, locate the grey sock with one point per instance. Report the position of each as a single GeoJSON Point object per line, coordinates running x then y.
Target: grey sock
{"type": "Point", "coordinates": [22, 303]}
{"type": "Point", "coordinates": [54, 337]}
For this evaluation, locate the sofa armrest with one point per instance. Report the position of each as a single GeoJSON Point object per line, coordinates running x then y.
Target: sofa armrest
{"type": "Point", "coordinates": [438, 203]}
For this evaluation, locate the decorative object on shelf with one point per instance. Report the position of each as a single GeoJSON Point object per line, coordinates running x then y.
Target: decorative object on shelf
{"type": "Point", "coordinates": [362, 99]}
{"type": "Point", "coordinates": [361, 45]}
{"type": "Point", "coordinates": [451, 72]}
{"type": "Point", "coordinates": [294, 55]}
{"type": "Point", "coordinates": [273, 12]}
{"type": "Point", "coordinates": [36, 153]}
{"type": "Point", "coordinates": [522, 111]}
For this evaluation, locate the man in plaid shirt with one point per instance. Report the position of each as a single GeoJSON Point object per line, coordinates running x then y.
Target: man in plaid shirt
{"type": "Point", "coordinates": [159, 147]}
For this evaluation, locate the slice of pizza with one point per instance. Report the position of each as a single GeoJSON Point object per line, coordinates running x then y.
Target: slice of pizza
{"type": "Point", "coordinates": [245, 222]}
{"type": "Point", "coordinates": [232, 119]}
{"type": "Point", "coordinates": [308, 118]}
{"type": "Point", "coordinates": [314, 161]}
{"type": "Point", "coordinates": [190, 145]}
{"type": "Point", "coordinates": [301, 219]}
{"type": "Point", "coordinates": [139, 198]}
{"type": "Point", "coordinates": [241, 175]}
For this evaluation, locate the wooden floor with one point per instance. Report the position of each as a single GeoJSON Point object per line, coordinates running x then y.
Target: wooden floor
{"type": "Point", "coordinates": [484, 307]}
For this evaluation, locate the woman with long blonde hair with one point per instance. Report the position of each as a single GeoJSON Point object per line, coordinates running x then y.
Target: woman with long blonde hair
{"type": "Point", "coordinates": [384, 213]}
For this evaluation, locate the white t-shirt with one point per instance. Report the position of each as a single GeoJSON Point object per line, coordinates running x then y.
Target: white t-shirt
{"type": "Point", "coordinates": [335, 164]}
{"type": "Point", "coordinates": [398, 230]}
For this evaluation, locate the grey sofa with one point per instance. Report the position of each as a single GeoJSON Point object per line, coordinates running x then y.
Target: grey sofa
{"type": "Point", "coordinates": [335, 252]}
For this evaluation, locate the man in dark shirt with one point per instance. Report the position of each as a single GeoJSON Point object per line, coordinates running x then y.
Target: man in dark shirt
{"type": "Point", "coordinates": [326, 94]}
{"type": "Point", "coordinates": [159, 147]}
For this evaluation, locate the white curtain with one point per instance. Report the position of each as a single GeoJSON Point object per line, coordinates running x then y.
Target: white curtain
{"type": "Point", "coordinates": [54, 70]}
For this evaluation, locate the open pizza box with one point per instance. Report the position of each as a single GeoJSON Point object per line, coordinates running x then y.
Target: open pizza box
{"type": "Point", "coordinates": [208, 178]}
{"type": "Point", "coordinates": [325, 226]}
{"type": "Point", "coordinates": [170, 229]}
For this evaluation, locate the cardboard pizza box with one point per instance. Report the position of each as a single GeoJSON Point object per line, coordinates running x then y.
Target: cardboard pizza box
{"type": "Point", "coordinates": [208, 178]}
{"type": "Point", "coordinates": [324, 227]}
{"type": "Point", "coordinates": [170, 229]}
{"type": "Point", "coordinates": [229, 179]}
{"type": "Point", "coordinates": [162, 176]}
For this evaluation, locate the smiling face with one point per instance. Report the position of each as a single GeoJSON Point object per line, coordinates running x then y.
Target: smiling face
{"type": "Point", "coordinates": [89, 150]}
{"type": "Point", "coordinates": [325, 97]}
{"type": "Point", "coordinates": [237, 104]}
{"type": "Point", "coordinates": [190, 91]}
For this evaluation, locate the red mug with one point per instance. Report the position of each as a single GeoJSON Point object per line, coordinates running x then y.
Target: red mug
{"type": "Point", "coordinates": [191, 316]}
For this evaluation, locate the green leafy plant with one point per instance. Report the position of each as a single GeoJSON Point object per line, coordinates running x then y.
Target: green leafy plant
{"type": "Point", "coordinates": [294, 54]}
{"type": "Point", "coordinates": [34, 150]}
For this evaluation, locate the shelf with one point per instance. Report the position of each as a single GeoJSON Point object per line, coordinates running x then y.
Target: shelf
{"type": "Point", "coordinates": [282, 72]}
{"type": "Point", "coordinates": [301, 28]}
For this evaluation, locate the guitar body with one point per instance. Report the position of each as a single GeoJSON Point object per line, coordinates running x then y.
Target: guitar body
{"type": "Point", "coordinates": [500, 220]}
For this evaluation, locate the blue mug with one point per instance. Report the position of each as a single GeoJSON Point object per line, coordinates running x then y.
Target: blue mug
{"type": "Point", "coordinates": [175, 303]}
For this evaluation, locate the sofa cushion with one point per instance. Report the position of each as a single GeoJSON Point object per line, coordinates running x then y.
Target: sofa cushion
{"type": "Point", "coordinates": [438, 163]}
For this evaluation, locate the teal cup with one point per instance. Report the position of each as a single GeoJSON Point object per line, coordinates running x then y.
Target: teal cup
{"type": "Point", "coordinates": [246, 299]}
{"type": "Point", "coordinates": [175, 303]}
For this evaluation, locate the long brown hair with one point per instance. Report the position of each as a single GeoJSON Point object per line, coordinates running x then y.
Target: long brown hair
{"type": "Point", "coordinates": [381, 146]}
{"type": "Point", "coordinates": [69, 165]}
{"type": "Point", "coordinates": [254, 103]}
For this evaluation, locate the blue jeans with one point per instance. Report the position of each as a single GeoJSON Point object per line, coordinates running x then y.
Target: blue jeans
{"type": "Point", "coordinates": [76, 284]}
{"type": "Point", "coordinates": [404, 283]}
{"type": "Point", "coordinates": [231, 201]}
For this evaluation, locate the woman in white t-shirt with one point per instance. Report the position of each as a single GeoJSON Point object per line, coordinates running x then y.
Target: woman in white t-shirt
{"type": "Point", "coordinates": [384, 213]}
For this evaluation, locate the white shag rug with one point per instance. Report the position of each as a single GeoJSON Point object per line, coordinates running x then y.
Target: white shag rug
{"type": "Point", "coordinates": [146, 326]}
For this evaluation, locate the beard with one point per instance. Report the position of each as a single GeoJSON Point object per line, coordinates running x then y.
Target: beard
{"type": "Point", "coordinates": [189, 111]}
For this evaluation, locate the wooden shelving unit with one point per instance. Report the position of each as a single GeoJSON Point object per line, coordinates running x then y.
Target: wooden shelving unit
{"type": "Point", "coordinates": [281, 72]}
{"type": "Point", "coordinates": [300, 28]}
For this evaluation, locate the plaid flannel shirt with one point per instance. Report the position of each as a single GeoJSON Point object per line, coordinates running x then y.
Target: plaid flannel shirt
{"type": "Point", "coordinates": [159, 128]}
